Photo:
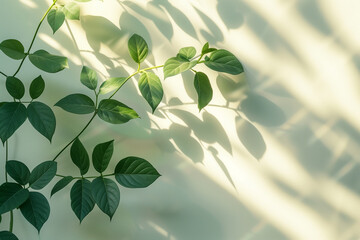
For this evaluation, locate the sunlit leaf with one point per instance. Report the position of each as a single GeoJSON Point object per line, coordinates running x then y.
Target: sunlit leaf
{"type": "Point", "coordinates": [71, 11]}
{"type": "Point", "coordinates": [89, 78]}
{"type": "Point", "coordinates": [187, 52]}
{"type": "Point", "coordinates": [151, 89]}
{"type": "Point", "coordinates": [12, 48]}
{"type": "Point", "coordinates": [224, 61]}
{"type": "Point", "coordinates": [55, 18]}
{"type": "Point", "coordinates": [203, 89]}
{"type": "Point", "coordinates": [176, 65]}
{"type": "Point", "coordinates": [138, 48]}
{"type": "Point", "coordinates": [112, 84]}
{"type": "Point", "coordinates": [48, 62]}
{"type": "Point", "coordinates": [115, 112]}
{"type": "Point", "coordinates": [206, 49]}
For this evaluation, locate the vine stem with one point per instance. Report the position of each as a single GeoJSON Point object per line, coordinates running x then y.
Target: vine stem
{"type": "Point", "coordinates": [103, 175]}
{"type": "Point", "coordinates": [3, 74]}
{"type": "Point", "coordinates": [34, 37]}
{"type": "Point", "coordinates": [6, 179]}
{"type": "Point", "coordinates": [67, 145]}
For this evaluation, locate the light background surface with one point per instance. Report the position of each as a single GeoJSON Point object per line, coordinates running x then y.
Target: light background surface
{"type": "Point", "coordinates": [274, 156]}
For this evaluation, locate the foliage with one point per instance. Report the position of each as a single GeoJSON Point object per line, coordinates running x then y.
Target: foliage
{"type": "Point", "coordinates": [18, 191]}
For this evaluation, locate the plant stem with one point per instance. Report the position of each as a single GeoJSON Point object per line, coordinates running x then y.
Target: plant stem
{"type": "Point", "coordinates": [3, 74]}
{"type": "Point", "coordinates": [150, 68]}
{"type": "Point", "coordinates": [67, 145]}
{"type": "Point", "coordinates": [105, 175]}
{"type": "Point", "coordinates": [33, 40]}
{"type": "Point", "coordinates": [11, 221]}
{"type": "Point", "coordinates": [6, 179]}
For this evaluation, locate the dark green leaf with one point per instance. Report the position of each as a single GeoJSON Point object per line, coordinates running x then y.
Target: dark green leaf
{"type": "Point", "coordinates": [12, 116]}
{"type": "Point", "coordinates": [176, 65]}
{"type": "Point", "coordinates": [138, 48]}
{"type": "Point", "coordinates": [112, 84]}
{"type": "Point", "coordinates": [77, 103]}
{"type": "Point", "coordinates": [6, 235]}
{"type": "Point", "coordinates": [106, 195]}
{"type": "Point", "coordinates": [12, 48]}
{"type": "Point", "coordinates": [47, 62]}
{"type": "Point", "coordinates": [36, 210]}
{"type": "Point", "coordinates": [18, 171]}
{"type": "Point", "coordinates": [224, 61]}
{"type": "Point", "coordinates": [37, 87]}
{"type": "Point", "coordinates": [102, 154]}
{"type": "Point", "coordinates": [151, 89]}
{"type": "Point", "coordinates": [82, 202]}
{"type": "Point", "coordinates": [203, 89]}
{"type": "Point", "coordinates": [135, 172]}
{"type": "Point", "coordinates": [206, 49]}
{"type": "Point", "coordinates": [115, 112]}
{"type": "Point", "coordinates": [12, 195]}
{"type": "Point", "coordinates": [42, 174]}
{"type": "Point", "coordinates": [15, 87]}
{"type": "Point", "coordinates": [187, 52]}
{"type": "Point", "coordinates": [79, 156]}
{"type": "Point", "coordinates": [56, 18]}
{"type": "Point", "coordinates": [61, 184]}
{"type": "Point", "coordinates": [42, 119]}
{"type": "Point", "coordinates": [89, 78]}
{"type": "Point", "coordinates": [71, 11]}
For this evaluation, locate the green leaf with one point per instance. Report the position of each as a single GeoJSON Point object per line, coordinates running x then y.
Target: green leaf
{"type": "Point", "coordinates": [12, 195]}
{"type": "Point", "coordinates": [36, 210]}
{"type": "Point", "coordinates": [206, 49]}
{"type": "Point", "coordinates": [151, 89]}
{"type": "Point", "coordinates": [18, 171]}
{"type": "Point", "coordinates": [203, 89]}
{"type": "Point", "coordinates": [71, 11]}
{"type": "Point", "coordinates": [13, 49]}
{"type": "Point", "coordinates": [106, 195]}
{"type": "Point", "coordinates": [111, 84]}
{"type": "Point", "coordinates": [47, 62]}
{"type": "Point", "coordinates": [12, 116]}
{"type": "Point", "coordinates": [37, 87]}
{"type": "Point", "coordinates": [82, 202]}
{"type": "Point", "coordinates": [89, 78]}
{"type": "Point", "coordinates": [138, 48]}
{"type": "Point", "coordinates": [102, 154]}
{"type": "Point", "coordinates": [6, 235]}
{"type": "Point", "coordinates": [187, 52]}
{"type": "Point", "coordinates": [135, 172]}
{"type": "Point", "coordinates": [56, 18]}
{"type": "Point", "coordinates": [15, 87]}
{"type": "Point", "coordinates": [115, 112]}
{"type": "Point", "coordinates": [77, 103]}
{"type": "Point", "coordinates": [176, 65]}
{"type": "Point", "coordinates": [42, 174]}
{"type": "Point", "coordinates": [224, 61]}
{"type": "Point", "coordinates": [61, 184]}
{"type": "Point", "coordinates": [79, 156]}
{"type": "Point", "coordinates": [42, 119]}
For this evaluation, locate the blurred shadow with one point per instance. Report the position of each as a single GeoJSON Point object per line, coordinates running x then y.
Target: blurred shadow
{"type": "Point", "coordinates": [231, 13]}
{"type": "Point", "coordinates": [250, 137]}
{"type": "Point", "coordinates": [231, 88]}
{"type": "Point", "coordinates": [261, 110]}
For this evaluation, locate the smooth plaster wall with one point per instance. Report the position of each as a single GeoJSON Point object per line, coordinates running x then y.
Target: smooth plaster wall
{"type": "Point", "coordinates": [274, 156]}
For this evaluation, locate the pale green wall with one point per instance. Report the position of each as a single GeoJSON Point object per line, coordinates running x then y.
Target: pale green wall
{"type": "Point", "coordinates": [297, 111]}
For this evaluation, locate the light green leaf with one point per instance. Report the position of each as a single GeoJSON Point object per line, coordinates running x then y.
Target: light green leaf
{"type": "Point", "coordinates": [115, 112]}
{"type": "Point", "coordinates": [6, 235]}
{"type": "Point", "coordinates": [12, 195]}
{"type": "Point", "coordinates": [47, 62]}
{"type": "Point", "coordinates": [224, 61]}
{"type": "Point", "coordinates": [135, 172]}
{"type": "Point", "coordinates": [138, 48]}
{"type": "Point", "coordinates": [61, 184]}
{"type": "Point", "coordinates": [37, 87]}
{"type": "Point", "coordinates": [187, 52]}
{"type": "Point", "coordinates": [12, 116]}
{"type": "Point", "coordinates": [151, 89]}
{"type": "Point", "coordinates": [82, 202]}
{"type": "Point", "coordinates": [36, 210]}
{"type": "Point", "coordinates": [203, 89]}
{"type": "Point", "coordinates": [42, 174]}
{"type": "Point", "coordinates": [55, 18]}
{"type": "Point", "coordinates": [18, 171]}
{"type": "Point", "coordinates": [79, 156]}
{"type": "Point", "coordinates": [206, 49]}
{"type": "Point", "coordinates": [102, 154]}
{"type": "Point", "coordinates": [111, 84]}
{"type": "Point", "coordinates": [71, 11]}
{"type": "Point", "coordinates": [175, 65]}
{"type": "Point", "coordinates": [106, 195]}
{"type": "Point", "coordinates": [15, 87]}
{"type": "Point", "coordinates": [89, 78]}
{"type": "Point", "coordinates": [42, 119]}
{"type": "Point", "coordinates": [13, 49]}
{"type": "Point", "coordinates": [77, 103]}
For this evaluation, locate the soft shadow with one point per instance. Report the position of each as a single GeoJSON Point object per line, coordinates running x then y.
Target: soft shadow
{"type": "Point", "coordinates": [231, 13]}
{"type": "Point", "coordinates": [231, 88]}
